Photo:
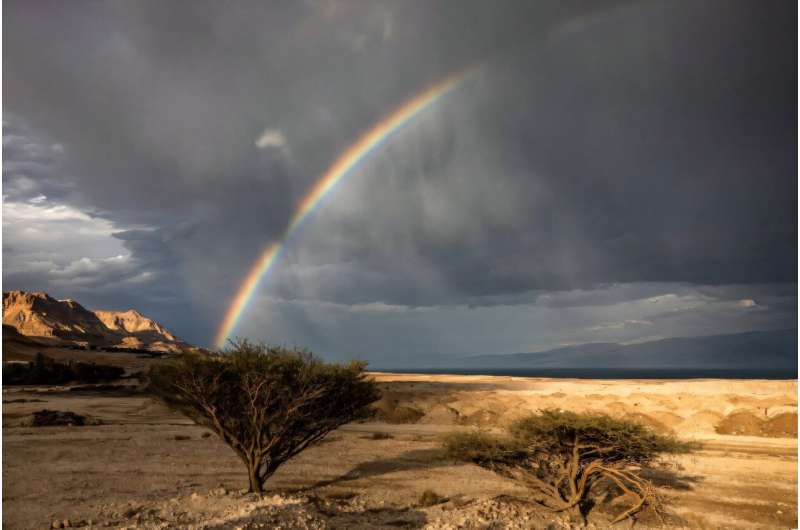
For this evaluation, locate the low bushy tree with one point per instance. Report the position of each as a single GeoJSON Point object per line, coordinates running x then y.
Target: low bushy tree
{"type": "Point", "coordinates": [44, 370]}
{"type": "Point", "coordinates": [267, 403]}
{"type": "Point", "coordinates": [562, 455]}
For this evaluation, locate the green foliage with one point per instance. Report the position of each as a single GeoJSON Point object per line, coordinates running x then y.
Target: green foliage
{"type": "Point", "coordinates": [481, 447]}
{"type": "Point", "coordinates": [267, 402]}
{"type": "Point", "coordinates": [46, 371]}
{"type": "Point", "coordinates": [561, 455]}
{"type": "Point", "coordinates": [614, 440]}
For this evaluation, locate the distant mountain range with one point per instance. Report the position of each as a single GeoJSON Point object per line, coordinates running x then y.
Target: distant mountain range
{"type": "Point", "coordinates": [760, 350]}
{"type": "Point", "coordinates": [37, 315]}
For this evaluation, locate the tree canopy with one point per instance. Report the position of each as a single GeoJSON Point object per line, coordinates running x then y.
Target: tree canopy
{"type": "Point", "coordinates": [268, 403]}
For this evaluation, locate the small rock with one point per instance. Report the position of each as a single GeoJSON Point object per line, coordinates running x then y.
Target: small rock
{"type": "Point", "coordinates": [66, 523]}
{"type": "Point", "coordinates": [56, 524]}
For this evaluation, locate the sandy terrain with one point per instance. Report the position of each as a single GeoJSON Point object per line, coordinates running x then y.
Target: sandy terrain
{"type": "Point", "coordinates": [691, 408]}
{"type": "Point", "coordinates": [148, 467]}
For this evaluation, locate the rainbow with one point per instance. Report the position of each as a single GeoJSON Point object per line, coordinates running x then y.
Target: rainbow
{"type": "Point", "coordinates": [349, 160]}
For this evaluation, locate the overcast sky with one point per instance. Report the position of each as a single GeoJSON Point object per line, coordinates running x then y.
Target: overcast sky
{"type": "Point", "coordinates": [613, 172]}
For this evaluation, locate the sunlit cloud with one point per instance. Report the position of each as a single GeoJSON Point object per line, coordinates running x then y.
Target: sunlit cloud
{"type": "Point", "coordinates": [272, 138]}
{"type": "Point", "coordinates": [619, 325]}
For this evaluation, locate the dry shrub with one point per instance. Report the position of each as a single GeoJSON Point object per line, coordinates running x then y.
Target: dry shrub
{"type": "Point", "coordinates": [430, 498]}
{"type": "Point", "coordinates": [561, 456]}
{"type": "Point", "coordinates": [379, 436]}
{"type": "Point", "coordinates": [46, 371]}
{"type": "Point", "coordinates": [56, 418]}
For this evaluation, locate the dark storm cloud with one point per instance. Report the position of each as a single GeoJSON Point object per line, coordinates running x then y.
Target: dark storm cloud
{"type": "Point", "coordinates": [658, 152]}
{"type": "Point", "coordinates": [606, 152]}
{"type": "Point", "coordinates": [30, 165]}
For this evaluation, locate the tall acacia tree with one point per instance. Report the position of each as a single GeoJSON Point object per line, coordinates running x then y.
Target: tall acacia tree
{"type": "Point", "coordinates": [267, 403]}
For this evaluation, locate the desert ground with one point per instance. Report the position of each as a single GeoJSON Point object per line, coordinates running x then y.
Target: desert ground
{"type": "Point", "coordinates": [145, 466]}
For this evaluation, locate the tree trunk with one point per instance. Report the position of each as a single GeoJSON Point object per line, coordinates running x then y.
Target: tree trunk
{"type": "Point", "coordinates": [577, 517]}
{"type": "Point", "coordinates": [256, 484]}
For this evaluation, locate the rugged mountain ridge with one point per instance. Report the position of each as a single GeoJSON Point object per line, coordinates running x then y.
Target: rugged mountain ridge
{"type": "Point", "coordinates": [752, 350]}
{"type": "Point", "coordinates": [37, 314]}
{"type": "Point", "coordinates": [131, 321]}
{"type": "Point", "coordinates": [774, 349]}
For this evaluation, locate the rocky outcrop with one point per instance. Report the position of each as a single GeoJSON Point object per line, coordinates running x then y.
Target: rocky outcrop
{"type": "Point", "coordinates": [134, 323]}
{"type": "Point", "coordinates": [36, 314]}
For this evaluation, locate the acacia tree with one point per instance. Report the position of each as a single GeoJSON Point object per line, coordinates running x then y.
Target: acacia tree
{"type": "Point", "coordinates": [562, 455]}
{"type": "Point", "coordinates": [267, 403]}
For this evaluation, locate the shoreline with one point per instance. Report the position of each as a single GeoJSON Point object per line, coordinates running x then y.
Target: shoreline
{"type": "Point", "coordinates": [566, 375]}
{"type": "Point", "coordinates": [452, 374]}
